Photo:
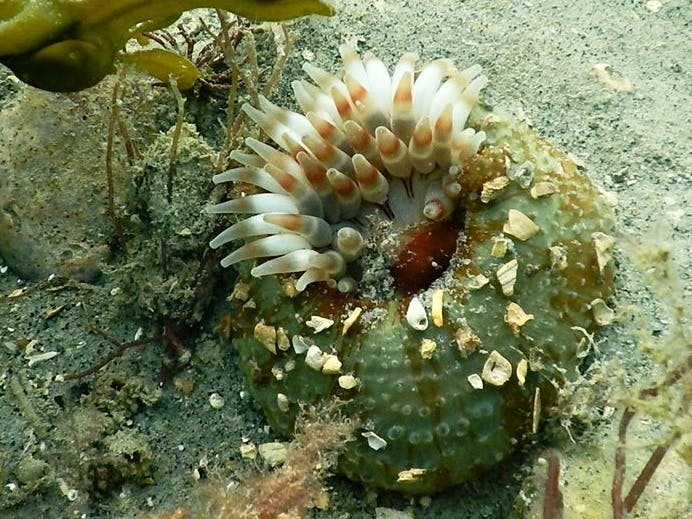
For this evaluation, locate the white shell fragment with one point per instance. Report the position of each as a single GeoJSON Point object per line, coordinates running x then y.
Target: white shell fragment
{"type": "Point", "coordinates": [351, 320]}
{"type": "Point", "coordinates": [475, 380]}
{"type": "Point", "coordinates": [500, 246]}
{"type": "Point", "coordinates": [216, 401]}
{"type": "Point", "coordinates": [522, 369]}
{"type": "Point", "coordinates": [492, 188]}
{"type": "Point", "coordinates": [319, 324]}
{"type": "Point", "coordinates": [536, 410]}
{"type": "Point", "coordinates": [467, 341]}
{"type": "Point", "coordinates": [437, 305]}
{"type": "Point", "coordinates": [332, 365]}
{"type": "Point", "coordinates": [542, 189]}
{"type": "Point", "coordinates": [348, 382]}
{"type": "Point", "coordinates": [374, 441]}
{"type": "Point", "coordinates": [507, 275]}
{"type": "Point", "coordinates": [603, 243]}
{"type": "Point", "coordinates": [315, 358]}
{"type": "Point", "coordinates": [516, 317]}
{"type": "Point", "coordinates": [602, 313]}
{"type": "Point", "coordinates": [519, 225]}
{"type": "Point", "coordinates": [415, 315]}
{"type": "Point", "coordinates": [266, 336]}
{"type": "Point", "coordinates": [475, 282]}
{"type": "Point", "coordinates": [427, 348]}
{"type": "Point", "coordinates": [412, 474]}
{"type": "Point", "coordinates": [497, 370]}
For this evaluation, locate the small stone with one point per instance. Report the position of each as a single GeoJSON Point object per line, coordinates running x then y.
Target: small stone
{"type": "Point", "coordinates": [507, 275]}
{"type": "Point", "coordinates": [315, 358]}
{"type": "Point", "coordinates": [519, 225]}
{"type": "Point", "coordinates": [319, 324]}
{"type": "Point", "coordinates": [497, 370]}
{"type": "Point", "coordinates": [415, 315]}
{"type": "Point", "coordinates": [475, 380]}
{"type": "Point", "coordinates": [248, 451]}
{"type": "Point", "coordinates": [348, 382]}
{"type": "Point", "coordinates": [216, 401]}
{"type": "Point", "coordinates": [332, 365]}
{"type": "Point", "coordinates": [516, 317]}
{"type": "Point", "coordinates": [427, 348]}
{"type": "Point", "coordinates": [273, 453]}
{"type": "Point", "coordinates": [653, 5]}
{"type": "Point", "coordinates": [301, 344]}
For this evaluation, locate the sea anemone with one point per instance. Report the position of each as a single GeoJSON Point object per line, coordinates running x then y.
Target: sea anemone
{"type": "Point", "coordinates": [370, 148]}
{"type": "Point", "coordinates": [430, 262]}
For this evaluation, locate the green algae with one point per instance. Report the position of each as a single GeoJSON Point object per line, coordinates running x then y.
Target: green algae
{"type": "Point", "coordinates": [65, 46]}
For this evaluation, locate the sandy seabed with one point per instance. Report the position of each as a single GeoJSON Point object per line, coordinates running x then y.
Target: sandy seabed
{"type": "Point", "coordinates": [608, 82]}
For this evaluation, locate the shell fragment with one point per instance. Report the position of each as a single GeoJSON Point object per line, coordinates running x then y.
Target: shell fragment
{"type": "Point", "coordinates": [427, 348]}
{"type": "Point", "coordinates": [516, 317]}
{"type": "Point", "coordinates": [415, 315]}
{"type": "Point", "coordinates": [519, 225]}
{"type": "Point", "coordinates": [507, 275]}
{"type": "Point", "coordinates": [374, 441]}
{"type": "Point", "coordinates": [602, 313]}
{"type": "Point", "coordinates": [497, 370]}
{"type": "Point", "coordinates": [351, 319]}
{"type": "Point", "coordinates": [437, 304]}
{"type": "Point", "coordinates": [319, 324]}
{"type": "Point", "coordinates": [266, 336]}
{"type": "Point", "coordinates": [475, 380]}
{"type": "Point", "coordinates": [603, 243]}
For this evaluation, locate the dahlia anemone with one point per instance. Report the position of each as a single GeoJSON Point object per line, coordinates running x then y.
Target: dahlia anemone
{"type": "Point", "coordinates": [497, 245]}
{"type": "Point", "coordinates": [369, 148]}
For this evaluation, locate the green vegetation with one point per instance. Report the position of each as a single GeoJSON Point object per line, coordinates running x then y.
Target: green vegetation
{"type": "Point", "coordinates": [65, 46]}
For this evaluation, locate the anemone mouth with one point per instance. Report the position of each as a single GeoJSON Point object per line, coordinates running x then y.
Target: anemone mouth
{"type": "Point", "coordinates": [370, 148]}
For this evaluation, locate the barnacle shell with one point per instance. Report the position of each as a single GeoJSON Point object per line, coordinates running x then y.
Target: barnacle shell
{"type": "Point", "coordinates": [432, 416]}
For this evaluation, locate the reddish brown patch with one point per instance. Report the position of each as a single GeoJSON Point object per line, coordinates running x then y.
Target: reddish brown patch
{"type": "Point", "coordinates": [424, 254]}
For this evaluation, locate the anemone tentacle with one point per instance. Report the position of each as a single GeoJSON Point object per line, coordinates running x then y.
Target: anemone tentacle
{"type": "Point", "coordinates": [368, 140]}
